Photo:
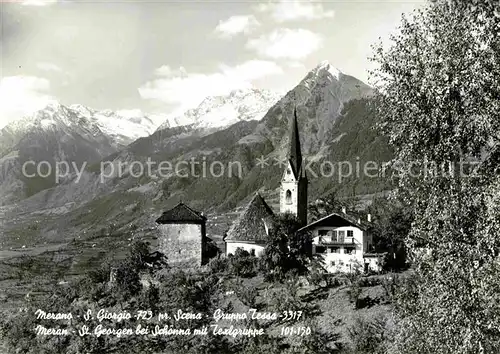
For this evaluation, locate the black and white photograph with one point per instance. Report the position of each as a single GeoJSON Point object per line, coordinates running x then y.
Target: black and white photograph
{"type": "Point", "coordinates": [245, 176]}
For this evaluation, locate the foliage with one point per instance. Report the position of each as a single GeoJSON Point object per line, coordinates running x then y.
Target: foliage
{"type": "Point", "coordinates": [390, 283]}
{"type": "Point", "coordinates": [369, 281]}
{"type": "Point", "coordinates": [368, 336]}
{"type": "Point", "coordinates": [247, 294]}
{"type": "Point", "coordinates": [392, 223]}
{"type": "Point", "coordinates": [172, 290]}
{"type": "Point", "coordinates": [438, 100]}
{"type": "Point", "coordinates": [219, 265]}
{"type": "Point", "coordinates": [285, 297]}
{"type": "Point", "coordinates": [261, 344]}
{"type": "Point", "coordinates": [318, 275]}
{"type": "Point", "coordinates": [320, 342]}
{"type": "Point", "coordinates": [331, 203]}
{"type": "Point", "coordinates": [243, 264]}
{"type": "Point", "coordinates": [287, 250]}
{"type": "Point", "coordinates": [354, 292]}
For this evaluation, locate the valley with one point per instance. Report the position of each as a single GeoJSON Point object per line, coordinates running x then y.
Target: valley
{"type": "Point", "coordinates": [57, 232]}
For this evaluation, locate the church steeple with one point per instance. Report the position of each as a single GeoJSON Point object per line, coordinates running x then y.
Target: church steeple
{"type": "Point", "coordinates": [293, 194]}
{"type": "Point", "coordinates": [295, 153]}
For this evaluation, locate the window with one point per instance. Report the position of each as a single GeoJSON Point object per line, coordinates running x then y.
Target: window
{"type": "Point", "coordinates": [252, 252]}
{"type": "Point", "coordinates": [341, 236]}
{"type": "Point", "coordinates": [334, 250]}
{"type": "Point", "coordinates": [288, 171]}
{"type": "Point", "coordinates": [288, 197]}
{"type": "Point", "coordinates": [334, 236]}
{"type": "Point", "coordinates": [320, 249]}
{"type": "Point", "coordinates": [350, 233]}
{"type": "Point", "coordinates": [350, 250]}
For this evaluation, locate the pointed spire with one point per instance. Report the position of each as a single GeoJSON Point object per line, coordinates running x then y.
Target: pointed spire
{"type": "Point", "coordinates": [295, 154]}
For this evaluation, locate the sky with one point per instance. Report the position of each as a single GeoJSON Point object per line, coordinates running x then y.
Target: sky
{"type": "Point", "coordinates": [162, 57]}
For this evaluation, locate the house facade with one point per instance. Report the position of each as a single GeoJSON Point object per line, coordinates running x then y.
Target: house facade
{"type": "Point", "coordinates": [344, 243]}
{"type": "Point", "coordinates": [183, 236]}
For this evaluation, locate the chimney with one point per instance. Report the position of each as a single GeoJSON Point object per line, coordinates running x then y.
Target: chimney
{"type": "Point", "coordinates": [369, 217]}
{"type": "Point", "coordinates": [344, 210]}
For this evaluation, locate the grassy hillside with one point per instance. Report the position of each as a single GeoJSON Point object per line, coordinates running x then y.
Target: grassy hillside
{"type": "Point", "coordinates": [327, 307]}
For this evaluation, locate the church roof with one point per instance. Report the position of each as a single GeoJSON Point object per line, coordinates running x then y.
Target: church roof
{"type": "Point", "coordinates": [295, 152]}
{"type": "Point", "coordinates": [181, 213]}
{"type": "Point", "coordinates": [251, 224]}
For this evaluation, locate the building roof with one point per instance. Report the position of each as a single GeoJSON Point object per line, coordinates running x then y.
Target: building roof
{"type": "Point", "coordinates": [181, 213]}
{"type": "Point", "coordinates": [252, 223]}
{"type": "Point", "coordinates": [295, 152]}
{"type": "Point", "coordinates": [337, 219]}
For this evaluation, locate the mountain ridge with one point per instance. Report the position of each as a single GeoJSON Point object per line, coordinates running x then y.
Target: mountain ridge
{"type": "Point", "coordinates": [334, 121]}
{"type": "Point", "coordinates": [216, 112]}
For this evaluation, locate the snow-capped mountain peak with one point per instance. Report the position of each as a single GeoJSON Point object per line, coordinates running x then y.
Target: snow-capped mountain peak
{"type": "Point", "coordinates": [121, 127]}
{"type": "Point", "coordinates": [83, 110]}
{"type": "Point", "coordinates": [326, 66]}
{"type": "Point", "coordinates": [222, 111]}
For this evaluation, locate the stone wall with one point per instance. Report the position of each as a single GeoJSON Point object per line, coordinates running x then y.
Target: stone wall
{"type": "Point", "coordinates": [182, 243]}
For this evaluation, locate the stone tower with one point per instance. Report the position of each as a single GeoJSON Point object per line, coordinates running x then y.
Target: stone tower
{"type": "Point", "coordinates": [293, 192]}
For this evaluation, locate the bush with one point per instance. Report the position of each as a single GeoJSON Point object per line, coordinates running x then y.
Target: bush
{"type": "Point", "coordinates": [218, 265]}
{"type": "Point", "coordinates": [243, 264]}
{"type": "Point", "coordinates": [286, 297]}
{"type": "Point", "coordinates": [390, 284]}
{"type": "Point", "coordinates": [334, 280]}
{"type": "Point", "coordinates": [318, 276]}
{"type": "Point", "coordinates": [247, 294]}
{"type": "Point", "coordinates": [320, 342]}
{"type": "Point", "coordinates": [368, 336]}
{"type": "Point", "coordinates": [260, 344]}
{"type": "Point", "coordinates": [354, 293]}
{"type": "Point", "coordinates": [369, 281]}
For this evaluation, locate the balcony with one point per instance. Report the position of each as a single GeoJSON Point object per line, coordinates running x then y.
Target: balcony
{"type": "Point", "coordinates": [339, 241]}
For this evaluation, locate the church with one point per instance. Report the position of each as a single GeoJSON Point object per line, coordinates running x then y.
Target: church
{"type": "Point", "coordinates": [343, 241]}
{"type": "Point", "coordinates": [250, 231]}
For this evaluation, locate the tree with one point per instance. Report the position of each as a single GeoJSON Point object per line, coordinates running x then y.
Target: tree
{"type": "Point", "coordinates": [438, 101]}
{"type": "Point", "coordinates": [287, 250]}
{"type": "Point", "coordinates": [392, 223]}
{"type": "Point", "coordinates": [331, 203]}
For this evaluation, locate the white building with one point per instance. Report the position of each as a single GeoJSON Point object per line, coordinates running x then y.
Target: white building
{"type": "Point", "coordinates": [344, 243]}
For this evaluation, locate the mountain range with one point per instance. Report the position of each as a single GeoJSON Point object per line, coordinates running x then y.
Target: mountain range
{"type": "Point", "coordinates": [217, 112]}
{"type": "Point", "coordinates": [335, 118]}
